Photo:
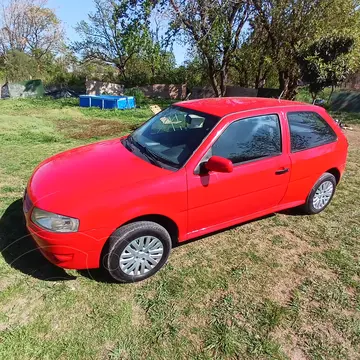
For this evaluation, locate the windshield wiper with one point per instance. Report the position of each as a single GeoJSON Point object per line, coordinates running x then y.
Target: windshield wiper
{"type": "Point", "coordinates": [149, 155]}
{"type": "Point", "coordinates": [125, 142]}
{"type": "Point", "coordinates": [161, 159]}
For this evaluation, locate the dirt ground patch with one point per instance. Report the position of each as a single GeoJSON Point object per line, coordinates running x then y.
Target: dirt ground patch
{"type": "Point", "coordinates": [21, 310]}
{"type": "Point", "coordinates": [353, 136]}
{"type": "Point", "coordinates": [83, 129]}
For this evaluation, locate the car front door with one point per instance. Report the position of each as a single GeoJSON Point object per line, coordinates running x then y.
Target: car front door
{"type": "Point", "coordinates": [261, 172]}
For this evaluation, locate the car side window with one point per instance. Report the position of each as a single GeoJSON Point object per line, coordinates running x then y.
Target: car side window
{"type": "Point", "coordinates": [308, 130]}
{"type": "Point", "coordinates": [250, 139]}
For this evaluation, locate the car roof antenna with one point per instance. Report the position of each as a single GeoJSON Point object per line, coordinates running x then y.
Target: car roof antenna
{"type": "Point", "coordinates": [282, 93]}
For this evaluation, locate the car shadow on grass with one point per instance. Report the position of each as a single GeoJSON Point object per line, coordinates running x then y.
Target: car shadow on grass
{"type": "Point", "coordinates": [98, 275]}
{"type": "Point", "coordinates": [298, 211]}
{"type": "Point", "coordinates": [101, 275]}
{"type": "Point", "coordinates": [19, 250]}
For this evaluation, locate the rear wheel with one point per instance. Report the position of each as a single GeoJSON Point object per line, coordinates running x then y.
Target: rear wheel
{"type": "Point", "coordinates": [321, 194]}
{"type": "Point", "coordinates": [137, 251]}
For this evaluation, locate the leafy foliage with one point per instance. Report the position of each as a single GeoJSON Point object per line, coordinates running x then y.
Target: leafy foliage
{"type": "Point", "coordinates": [141, 70]}
{"type": "Point", "coordinates": [19, 66]}
{"type": "Point", "coordinates": [250, 43]}
{"type": "Point", "coordinates": [291, 26]}
{"type": "Point", "coordinates": [138, 94]}
{"type": "Point", "coordinates": [30, 37]}
{"type": "Point", "coordinates": [326, 63]}
{"type": "Point", "coordinates": [115, 32]}
{"type": "Point", "coordinates": [214, 31]}
{"type": "Point", "coordinates": [252, 66]}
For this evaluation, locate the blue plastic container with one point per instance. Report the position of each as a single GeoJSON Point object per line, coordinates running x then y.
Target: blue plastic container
{"type": "Point", "coordinates": [96, 101]}
{"type": "Point", "coordinates": [85, 101]}
{"type": "Point", "coordinates": [108, 102]}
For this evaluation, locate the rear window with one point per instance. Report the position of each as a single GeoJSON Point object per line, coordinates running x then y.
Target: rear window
{"type": "Point", "coordinates": [308, 130]}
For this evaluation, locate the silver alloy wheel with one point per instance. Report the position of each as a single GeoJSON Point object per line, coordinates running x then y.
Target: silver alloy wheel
{"type": "Point", "coordinates": [323, 195]}
{"type": "Point", "coordinates": [141, 255]}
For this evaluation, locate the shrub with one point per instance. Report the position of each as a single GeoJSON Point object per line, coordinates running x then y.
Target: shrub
{"type": "Point", "coordinates": [138, 94]}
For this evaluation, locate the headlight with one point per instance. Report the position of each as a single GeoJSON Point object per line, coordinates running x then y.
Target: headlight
{"type": "Point", "coordinates": [54, 222]}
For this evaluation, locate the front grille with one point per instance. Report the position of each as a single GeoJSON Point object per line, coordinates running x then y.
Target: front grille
{"type": "Point", "coordinates": [27, 204]}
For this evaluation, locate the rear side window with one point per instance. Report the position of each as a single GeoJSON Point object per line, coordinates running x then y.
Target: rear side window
{"type": "Point", "coordinates": [250, 139]}
{"type": "Point", "coordinates": [308, 130]}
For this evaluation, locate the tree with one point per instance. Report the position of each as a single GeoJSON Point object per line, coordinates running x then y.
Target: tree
{"type": "Point", "coordinates": [115, 33]}
{"type": "Point", "coordinates": [193, 72]}
{"type": "Point", "coordinates": [141, 71]}
{"type": "Point", "coordinates": [155, 53]}
{"type": "Point", "coordinates": [326, 62]}
{"type": "Point", "coordinates": [214, 30]}
{"type": "Point", "coordinates": [252, 65]}
{"type": "Point", "coordinates": [30, 27]}
{"type": "Point", "coordinates": [19, 66]}
{"type": "Point", "coordinates": [292, 25]}
{"type": "Point", "coordinates": [155, 57]}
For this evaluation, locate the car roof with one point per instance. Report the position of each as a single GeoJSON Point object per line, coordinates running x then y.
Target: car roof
{"type": "Point", "coordinates": [227, 105]}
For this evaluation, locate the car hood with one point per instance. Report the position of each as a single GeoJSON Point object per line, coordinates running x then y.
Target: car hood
{"type": "Point", "coordinates": [84, 172]}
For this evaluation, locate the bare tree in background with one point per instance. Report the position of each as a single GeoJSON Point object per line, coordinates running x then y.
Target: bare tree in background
{"type": "Point", "coordinates": [29, 26]}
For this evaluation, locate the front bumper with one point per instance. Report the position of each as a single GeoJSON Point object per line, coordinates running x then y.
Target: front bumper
{"type": "Point", "coordinates": [80, 250]}
{"type": "Point", "coordinates": [64, 253]}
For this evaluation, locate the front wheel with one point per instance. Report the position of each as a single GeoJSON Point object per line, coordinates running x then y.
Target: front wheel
{"type": "Point", "coordinates": [137, 251]}
{"type": "Point", "coordinates": [321, 194]}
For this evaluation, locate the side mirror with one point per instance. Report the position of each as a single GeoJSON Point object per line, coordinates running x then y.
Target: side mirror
{"type": "Point", "coordinates": [219, 164]}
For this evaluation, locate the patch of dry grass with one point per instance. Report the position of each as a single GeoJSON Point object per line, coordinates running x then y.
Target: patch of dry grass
{"type": "Point", "coordinates": [84, 129]}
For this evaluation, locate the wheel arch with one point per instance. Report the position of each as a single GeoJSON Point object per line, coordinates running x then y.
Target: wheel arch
{"type": "Point", "coordinates": [336, 172]}
{"type": "Point", "coordinates": [169, 224]}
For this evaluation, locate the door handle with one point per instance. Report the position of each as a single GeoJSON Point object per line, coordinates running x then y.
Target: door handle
{"type": "Point", "coordinates": [282, 171]}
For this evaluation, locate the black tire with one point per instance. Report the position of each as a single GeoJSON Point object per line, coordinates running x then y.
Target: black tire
{"type": "Point", "coordinates": [122, 237]}
{"type": "Point", "coordinates": [308, 207]}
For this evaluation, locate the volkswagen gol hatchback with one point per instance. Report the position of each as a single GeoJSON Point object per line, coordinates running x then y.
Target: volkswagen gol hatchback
{"type": "Point", "coordinates": [196, 167]}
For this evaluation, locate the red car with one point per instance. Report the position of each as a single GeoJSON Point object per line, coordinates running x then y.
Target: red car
{"type": "Point", "coordinates": [196, 167]}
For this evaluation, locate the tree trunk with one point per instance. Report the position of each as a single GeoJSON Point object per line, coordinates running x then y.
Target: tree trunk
{"type": "Point", "coordinates": [223, 81]}
{"type": "Point", "coordinates": [331, 93]}
{"type": "Point", "coordinates": [121, 69]}
{"type": "Point", "coordinates": [257, 81]}
{"type": "Point", "coordinates": [214, 84]}
{"type": "Point", "coordinates": [213, 80]}
{"type": "Point", "coordinates": [245, 78]}
{"type": "Point", "coordinates": [313, 96]}
{"type": "Point", "coordinates": [259, 71]}
{"type": "Point", "coordinates": [283, 81]}
{"type": "Point", "coordinates": [288, 84]}
{"type": "Point", "coordinates": [292, 88]}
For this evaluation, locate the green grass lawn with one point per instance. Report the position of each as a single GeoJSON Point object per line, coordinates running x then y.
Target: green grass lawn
{"type": "Point", "coordinates": [283, 287]}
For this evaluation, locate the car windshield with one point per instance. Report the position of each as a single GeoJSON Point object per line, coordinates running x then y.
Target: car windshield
{"type": "Point", "coordinates": [171, 136]}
